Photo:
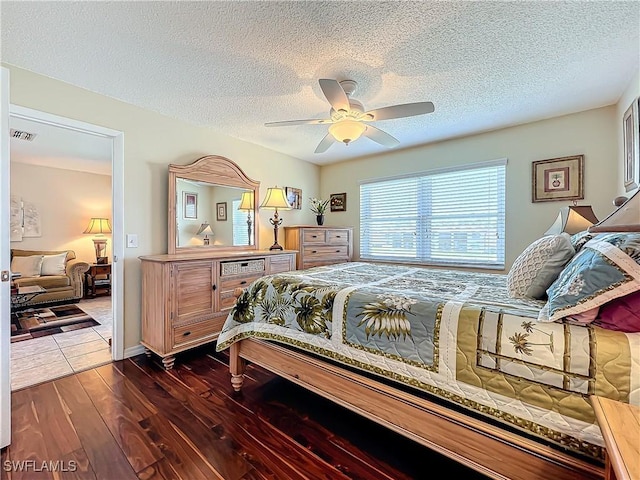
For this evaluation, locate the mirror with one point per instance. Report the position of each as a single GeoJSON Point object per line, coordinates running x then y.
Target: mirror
{"type": "Point", "coordinates": [206, 207]}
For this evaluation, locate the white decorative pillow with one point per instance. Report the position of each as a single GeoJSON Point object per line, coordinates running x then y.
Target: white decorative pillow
{"type": "Point", "coordinates": [27, 266]}
{"type": "Point", "coordinates": [539, 265]}
{"type": "Point", "coordinates": [54, 264]}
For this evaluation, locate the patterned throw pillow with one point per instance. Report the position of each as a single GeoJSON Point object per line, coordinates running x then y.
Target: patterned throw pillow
{"type": "Point", "coordinates": [538, 266]}
{"type": "Point", "coordinates": [578, 240]}
{"type": "Point", "coordinates": [606, 268]}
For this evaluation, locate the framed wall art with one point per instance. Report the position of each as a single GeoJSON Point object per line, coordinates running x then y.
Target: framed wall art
{"type": "Point", "coordinates": [558, 179]}
{"type": "Point", "coordinates": [294, 197]}
{"type": "Point", "coordinates": [190, 201]}
{"type": "Point", "coordinates": [221, 211]}
{"type": "Point", "coordinates": [631, 142]}
{"type": "Point", "coordinates": [338, 202]}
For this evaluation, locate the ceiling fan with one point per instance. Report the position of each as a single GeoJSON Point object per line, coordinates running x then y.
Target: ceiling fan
{"type": "Point", "coordinates": [348, 119]}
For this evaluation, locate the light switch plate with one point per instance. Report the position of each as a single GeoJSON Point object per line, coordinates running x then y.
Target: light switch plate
{"type": "Point", "coordinates": [132, 240]}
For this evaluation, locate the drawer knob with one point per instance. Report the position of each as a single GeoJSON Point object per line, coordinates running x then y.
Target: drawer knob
{"type": "Point", "coordinates": [314, 236]}
{"type": "Point", "coordinates": [213, 287]}
{"type": "Point", "coordinates": [314, 251]}
{"type": "Point", "coordinates": [243, 282]}
{"type": "Point", "coordinates": [186, 334]}
{"type": "Point", "coordinates": [337, 251]}
{"type": "Point", "coordinates": [338, 236]}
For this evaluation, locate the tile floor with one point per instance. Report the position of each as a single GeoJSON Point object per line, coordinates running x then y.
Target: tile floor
{"type": "Point", "coordinates": [45, 358]}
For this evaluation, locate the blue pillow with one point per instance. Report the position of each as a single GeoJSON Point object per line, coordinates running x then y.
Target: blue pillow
{"type": "Point", "coordinates": [607, 267]}
{"type": "Point", "coordinates": [578, 240]}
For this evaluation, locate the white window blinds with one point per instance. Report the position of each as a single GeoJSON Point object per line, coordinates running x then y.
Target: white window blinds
{"type": "Point", "coordinates": [240, 230]}
{"type": "Point", "coordinates": [453, 218]}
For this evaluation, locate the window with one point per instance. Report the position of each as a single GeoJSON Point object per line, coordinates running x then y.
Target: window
{"type": "Point", "coordinates": [452, 217]}
{"type": "Point", "coordinates": [240, 230]}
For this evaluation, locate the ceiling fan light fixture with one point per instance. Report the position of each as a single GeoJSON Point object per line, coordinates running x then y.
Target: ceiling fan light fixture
{"type": "Point", "coordinates": [346, 131]}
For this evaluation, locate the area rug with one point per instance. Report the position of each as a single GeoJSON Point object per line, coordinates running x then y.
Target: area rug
{"type": "Point", "coordinates": [39, 322]}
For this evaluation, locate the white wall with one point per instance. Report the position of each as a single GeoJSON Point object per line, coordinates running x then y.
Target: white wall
{"type": "Point", "coordinates": [151, 142]}
{"type": "Point", "coordinates": [65, 200]}
{"type": "Point", "coordinates": [592, 133]}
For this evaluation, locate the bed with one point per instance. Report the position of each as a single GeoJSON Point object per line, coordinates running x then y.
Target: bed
{"type": "Point", "coordinates": [456, 360]}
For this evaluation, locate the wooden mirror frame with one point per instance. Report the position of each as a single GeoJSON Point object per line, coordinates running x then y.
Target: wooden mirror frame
{"type": "Point", "coordinates": [215, 170]}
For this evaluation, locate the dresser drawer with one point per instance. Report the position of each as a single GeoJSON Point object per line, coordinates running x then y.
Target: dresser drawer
{"type": "Point", "coordinates": [227, 300]}
{"type": "Point", "coordinates": [337, 237]}
{"type": "Point", "coordinates": [313, 235]}
{"type": "Point", "coordinates": [231, 283]}
{"type": "Point", "coordinates": [242, 267]}
{"type": "Point", "coordinates": [313, 252]}
{"type": "Point", "coordinates": [310, 263]}
{"type": "Point", "coordinates": [196, 332]}
{"type": "Point", "coordinates": [281, 263]}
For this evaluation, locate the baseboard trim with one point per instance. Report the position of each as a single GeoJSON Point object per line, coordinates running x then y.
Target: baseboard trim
{"type": "Point", "coordinates": [133, 351]}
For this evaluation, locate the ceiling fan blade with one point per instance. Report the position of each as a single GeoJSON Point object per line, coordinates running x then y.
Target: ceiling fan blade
{"type": "Point", "coordinates": [325, 143]}
{"type": "Point", "coordinates": [378, 136]}
{"type": "Point", "coordinates": [399, 111]}
{"type": "Point", "coordinates": [335, 94]}
{"type": "Point", "coordinates": [286, 123]}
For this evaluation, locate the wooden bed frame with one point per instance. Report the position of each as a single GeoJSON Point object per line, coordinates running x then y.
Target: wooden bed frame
{"type": "Point", "coordinates": [486, 448]}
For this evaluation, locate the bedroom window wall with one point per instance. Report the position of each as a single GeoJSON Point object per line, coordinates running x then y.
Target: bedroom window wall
{"type": "Point", "coordinates": [452, 217]}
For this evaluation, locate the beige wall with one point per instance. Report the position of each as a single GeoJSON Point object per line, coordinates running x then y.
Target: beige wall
{"type": "Point", "coordinates": [151, 142]}
{"type": "Point", "coordinates": [65, 200]}
{"type": "Point", "coordinates": [592, 133]}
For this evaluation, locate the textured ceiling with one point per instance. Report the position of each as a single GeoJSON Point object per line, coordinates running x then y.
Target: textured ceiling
{"type": "Point", "coordinates": [236, 65]}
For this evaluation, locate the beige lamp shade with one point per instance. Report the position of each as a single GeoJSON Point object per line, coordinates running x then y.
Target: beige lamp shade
{"type": "Point", "coordinates": [246, 201]}
{"type": "Point", "coordinates": [573, 219]}
{"type": "Point", "coordinates": [625, 219]}
{"type": "Point", "coordinates": [205, 229]}
{"type": "Point", "coordinates": [98, 227]}
{"type": "Point", "coordinates": [275, 199]}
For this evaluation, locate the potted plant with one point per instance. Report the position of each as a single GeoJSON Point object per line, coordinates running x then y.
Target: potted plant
{"type": "Point", "coordinates": [318, 207]}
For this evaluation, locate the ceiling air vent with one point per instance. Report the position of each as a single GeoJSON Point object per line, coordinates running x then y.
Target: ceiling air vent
{"type": "Point", "coordinates": [22, 135]}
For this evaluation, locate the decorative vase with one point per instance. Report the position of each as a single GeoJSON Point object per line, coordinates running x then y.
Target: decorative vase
{"type": "Point", "coordinates": [319, 219]}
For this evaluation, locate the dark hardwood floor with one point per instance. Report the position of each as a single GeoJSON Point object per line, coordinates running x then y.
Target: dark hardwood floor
{"type": "Point", "coordinates": [131, 419]}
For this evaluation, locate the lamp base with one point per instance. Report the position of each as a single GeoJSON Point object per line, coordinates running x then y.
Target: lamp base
{"type": "Point", "coordinates": [275, 246]}
{"type": "Point", "coordinates": [102, 260]}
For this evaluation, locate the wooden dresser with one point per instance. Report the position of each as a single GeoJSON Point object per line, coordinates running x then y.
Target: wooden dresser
{"type": "Point", "coordinates": [186, 296]}
{"type": "Point", "coordinates": [318, 245]}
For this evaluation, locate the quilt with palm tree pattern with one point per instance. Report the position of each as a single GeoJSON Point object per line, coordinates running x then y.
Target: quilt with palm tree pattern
{"type": "Point", "coordinates": [454, 334]}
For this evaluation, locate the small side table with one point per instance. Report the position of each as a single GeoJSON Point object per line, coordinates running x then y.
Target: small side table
{"type": "Point", "coordinates": [97, 280]}
{"type": "Point", "coordinates": [620, 425]}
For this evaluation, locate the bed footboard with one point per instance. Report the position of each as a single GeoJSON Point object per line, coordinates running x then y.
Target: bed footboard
{"type": "Point", "coordinates": [484, 447]}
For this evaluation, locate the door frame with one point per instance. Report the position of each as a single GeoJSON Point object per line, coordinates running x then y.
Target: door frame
{"type": "Point", "coordinates": [117, 206]}
{"type": "Point", "coordinates": [5, 321]}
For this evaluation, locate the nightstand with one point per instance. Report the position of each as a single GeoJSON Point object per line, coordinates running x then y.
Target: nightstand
{"type": "Point", "coordinates": [97, 280]}
{"type": "Point", "coordinates": [620, 425]}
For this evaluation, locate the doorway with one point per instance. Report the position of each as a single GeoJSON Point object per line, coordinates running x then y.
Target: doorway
{"type": "Point", "coordinates": [96, 152]}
